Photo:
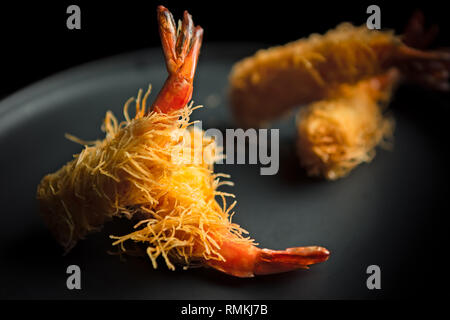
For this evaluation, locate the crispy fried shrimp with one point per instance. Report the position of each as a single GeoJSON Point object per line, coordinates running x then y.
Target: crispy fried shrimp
{"type": "Point", "coordinates": [273, 81]}
{"type": "Point", "coordinates": [337, 134]}
{"type": "Point", "coordinates": [146, 169]}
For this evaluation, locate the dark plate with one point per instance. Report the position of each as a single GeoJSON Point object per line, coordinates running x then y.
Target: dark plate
{"type": "Point", "coordinates": [380, 214]}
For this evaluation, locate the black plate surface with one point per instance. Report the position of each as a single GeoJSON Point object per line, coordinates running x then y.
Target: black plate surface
{"type": "Point", "coordinates": [381, 214]}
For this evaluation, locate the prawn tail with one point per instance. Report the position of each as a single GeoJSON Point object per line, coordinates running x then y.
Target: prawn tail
{"type": "Point", "coordinates": [181, 49]}
{"type": "Point", "coordinates": [276, 261]}
{"type": "Point", "coordinates": [245, 260]}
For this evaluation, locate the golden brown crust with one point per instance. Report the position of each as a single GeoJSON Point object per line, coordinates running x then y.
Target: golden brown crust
{"type": "Point", "coordinates": [337, 134]}
{"type": "Point", "coordinates": [267, 85]}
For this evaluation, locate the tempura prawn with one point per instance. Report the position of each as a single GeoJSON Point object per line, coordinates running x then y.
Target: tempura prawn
{"type": "Point", "coordinates": [270, 83]}
{"type": "Point", "coordinates": [136, 173]}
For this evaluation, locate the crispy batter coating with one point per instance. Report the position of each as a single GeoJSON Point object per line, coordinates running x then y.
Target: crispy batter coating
{"type": "Point", "coordinates": [267, 85]}
{"type": "Point", "coordinates": [337, 134]}
{"type": "Point", "coordinates": [144, 168]}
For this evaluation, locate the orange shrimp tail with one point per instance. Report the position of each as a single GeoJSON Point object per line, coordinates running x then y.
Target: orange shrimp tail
{"type": "Point", "coordinates": [276, 261]}
{"type": "Point", "coordinates": [245, 260]}
{"type": "Point", "coordinates": [181, 50]}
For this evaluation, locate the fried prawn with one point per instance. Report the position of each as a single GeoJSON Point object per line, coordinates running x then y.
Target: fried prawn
{"type": "Point", "coordinates": [145, 170]}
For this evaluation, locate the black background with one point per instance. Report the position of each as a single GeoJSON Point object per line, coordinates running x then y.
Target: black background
{"type": "Point", "coordinates": [36, 44]}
